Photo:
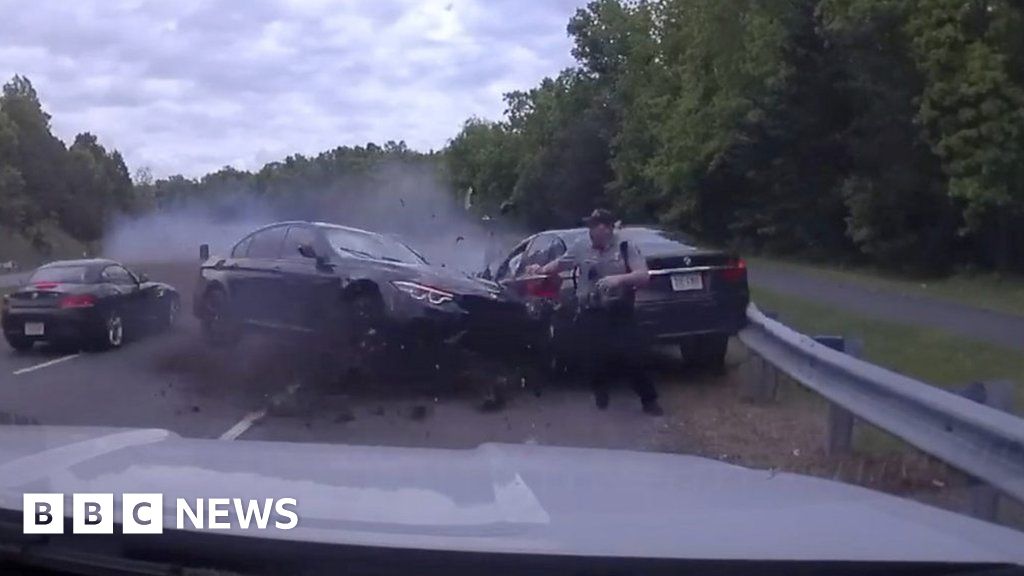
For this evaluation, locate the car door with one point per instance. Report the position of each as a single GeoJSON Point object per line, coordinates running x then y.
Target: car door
{"type": "Point", "coordinates": [540, 250]}
{"type": "Point", "coordinates": [125, 294]}
{"type": "Point", "coordinates": [507, 270]}
{"type": "Point", "coordinates": [310, 287]}
{"type": "Point", "coordinates": [255, 281]}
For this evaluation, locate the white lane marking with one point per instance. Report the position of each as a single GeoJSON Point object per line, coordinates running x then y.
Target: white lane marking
{"type": "Point", "coordinates": [45, 364]}
{"type": "Point", "coordinates": [243, 425]}
{"type": "Point", "coordinates": [251, 418]}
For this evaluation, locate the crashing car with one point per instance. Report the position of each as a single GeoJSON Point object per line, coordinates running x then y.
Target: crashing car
{"type": "Point", "coordinates": [346, 286]}
{"type": "Point", "coordinates": [93, 303]}
{"type": "Point", "coordinates": [697, 297]}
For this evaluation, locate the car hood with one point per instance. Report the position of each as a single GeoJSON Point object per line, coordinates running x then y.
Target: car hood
{"type": "Point", "coordinates": [507, 498]}
{"type": "Point", "coordinates": [444, 279]}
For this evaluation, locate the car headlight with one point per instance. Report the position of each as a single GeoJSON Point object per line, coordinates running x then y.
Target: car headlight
{"type": "Point", "coordinates": [424, 293]}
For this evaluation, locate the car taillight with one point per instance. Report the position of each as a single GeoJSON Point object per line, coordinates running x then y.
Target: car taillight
{"type": "Point", "coordinates": [736, 272]}
{"type": "Point", "coordinates": [78, 301]}
{"type": "Point", "coordinates": [45, 285]}
{"type": "Point", "coordinates": [544, 288]}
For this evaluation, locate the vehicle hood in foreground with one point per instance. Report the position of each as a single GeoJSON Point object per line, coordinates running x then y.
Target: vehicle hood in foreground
{"type": "Point", "coordinates": [507, 498]}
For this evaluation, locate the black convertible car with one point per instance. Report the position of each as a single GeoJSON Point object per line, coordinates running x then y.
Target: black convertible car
{"type": "Point", "coordinates": [697, 297]}
{"type": "Point", "coordinates": [344, 285]}
{"type": "Point", "coordinates": [94, 303]}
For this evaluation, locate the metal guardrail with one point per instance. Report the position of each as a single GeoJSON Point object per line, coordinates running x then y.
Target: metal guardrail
{"type": "Point", "coordinates": [13, 280]}
{"type": "Point", "coordinates": [983, 442]}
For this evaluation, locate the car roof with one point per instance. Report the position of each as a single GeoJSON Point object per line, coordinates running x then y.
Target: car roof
{"type": "Point", "coordinates": [326, 225]}
{"type": "Point", "coordinates": [645, 234]}
{"type": "Point", "coordinates": [88, 262]}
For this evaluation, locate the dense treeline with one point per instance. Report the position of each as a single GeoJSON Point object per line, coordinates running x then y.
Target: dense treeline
{"type": "Point", "coordinates": [888, 132]}
{"type": "Point", "coordinates": [45, 185]}
{"type": "Point", "coordinates": [883, 131]}
{"type": "Point", "coordinates": [295, 187]}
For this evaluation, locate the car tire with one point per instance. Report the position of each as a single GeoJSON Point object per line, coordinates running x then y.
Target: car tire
{"type": "Point", "coordinates": [367, 321]}
{"type": "Point", "coordinates": [112, 332]}
{"type": "Point", "coordinates": [555, 361]}
{"type": "Point", "coordinates": [219, 325]}
{"type": "Point", "coordinates": [707, 351]}
{"type": "Point", "coordinates": [19, 343]}
{"type": "Point", "coordinates": [170, 312]}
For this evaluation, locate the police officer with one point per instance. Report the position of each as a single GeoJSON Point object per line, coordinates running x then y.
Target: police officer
{"type": "Point", "coordinates": [610, 271]}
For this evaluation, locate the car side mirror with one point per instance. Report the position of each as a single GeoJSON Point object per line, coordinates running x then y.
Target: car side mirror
{"type": "Point", "coordinates": [142, 277]}
{"type": "Point", "coordinates": [486, 274]}
{"type": "Point", "coordinates": [204, 252]}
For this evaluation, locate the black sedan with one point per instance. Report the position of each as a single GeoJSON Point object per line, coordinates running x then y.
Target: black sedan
{"type": "Point", "coordinates": [94, 303]}
{"type": "Point", "coordinates": [696, 299]}
{"type": "Point", "coordinates": [346, 286]}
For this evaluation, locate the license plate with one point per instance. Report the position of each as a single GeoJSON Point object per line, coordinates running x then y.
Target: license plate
{"type": "Point", "coordinates": [683, 282]}
{"type": "Point", "coordinates": [33, 328]}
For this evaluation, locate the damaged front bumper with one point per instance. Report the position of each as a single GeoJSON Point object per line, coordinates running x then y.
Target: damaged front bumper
{"type": "Point", "coordinates": [466, 320]}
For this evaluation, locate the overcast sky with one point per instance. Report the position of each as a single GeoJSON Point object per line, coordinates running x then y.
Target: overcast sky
{"type": "Point", "coordinates": [188, 86]}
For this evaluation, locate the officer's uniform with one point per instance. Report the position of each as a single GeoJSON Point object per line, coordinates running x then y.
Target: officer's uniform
{"type": "Point", "coordinates": [607, 339]}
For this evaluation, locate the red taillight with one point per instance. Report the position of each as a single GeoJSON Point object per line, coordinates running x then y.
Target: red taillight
{"type": "Point", "coordinates": [78, 301]}
{"type": "Point", "coordinates": [546, 288]}
{"type": "Point", "coordinates": [45, 285]}
{"type": "Point", "coordinates": [736, 272]}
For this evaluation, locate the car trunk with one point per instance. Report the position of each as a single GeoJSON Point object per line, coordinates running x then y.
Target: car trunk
{"type": "Point", "coordinates": [695, 276]}
{"type": "Point", "coordinates": [45, 295]}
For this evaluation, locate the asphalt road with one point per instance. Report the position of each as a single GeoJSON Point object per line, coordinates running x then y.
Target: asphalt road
{"type": "Point", "coordinates": [978, 324]}
{"type": "Point", "coordinates": [263, 390]}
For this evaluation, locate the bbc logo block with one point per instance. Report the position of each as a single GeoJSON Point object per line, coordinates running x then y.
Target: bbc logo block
{"type": "Point", "coordinates": [93, 513]}
{"type": "Point", "coordinates": [43, 513]}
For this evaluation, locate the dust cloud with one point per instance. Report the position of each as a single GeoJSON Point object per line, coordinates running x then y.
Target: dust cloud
{"type": "Point", "coordinates": [413, 203]}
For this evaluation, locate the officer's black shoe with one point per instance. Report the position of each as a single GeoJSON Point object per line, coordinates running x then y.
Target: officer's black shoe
{"type": "Point", "coordinates": [653, 408]}
{"type": "Point", "coordinates": [601, 399]}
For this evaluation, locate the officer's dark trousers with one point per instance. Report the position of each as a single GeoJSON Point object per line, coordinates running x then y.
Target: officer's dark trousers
{"type": "Point", "coordinates": [611, 346]}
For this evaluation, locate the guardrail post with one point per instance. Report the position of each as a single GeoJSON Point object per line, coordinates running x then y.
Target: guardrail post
{"type": "Point", "coordinates": [839, 439]}
{"type": "Point", "coordinates": [759, 381]}
{"type": "Point", "coordinates": [983, 499]}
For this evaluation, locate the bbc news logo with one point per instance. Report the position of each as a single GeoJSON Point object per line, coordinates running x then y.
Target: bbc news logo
{"type": "Point", "coordinates": [144, 513]}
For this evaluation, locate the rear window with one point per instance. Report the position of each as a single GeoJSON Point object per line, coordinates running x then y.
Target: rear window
{"type": "Point", "coordinates": [66, 274]}
{"type": "Point", "coordinates": [655, 236]}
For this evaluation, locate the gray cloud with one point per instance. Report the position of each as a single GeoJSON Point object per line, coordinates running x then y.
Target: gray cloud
{"type": "Point", "coordinates": [192, 85]}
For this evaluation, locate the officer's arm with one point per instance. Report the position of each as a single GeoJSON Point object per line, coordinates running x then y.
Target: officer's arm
{"type": "Point", "coordinates": [564, 262]}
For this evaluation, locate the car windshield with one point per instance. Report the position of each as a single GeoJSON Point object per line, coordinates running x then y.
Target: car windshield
{"type": "Point", "coordinates": [65, 274]}
{"type": "Point", "coordinates": [637, 278]}
{"type": "Point", "coordinates": [375, 246]}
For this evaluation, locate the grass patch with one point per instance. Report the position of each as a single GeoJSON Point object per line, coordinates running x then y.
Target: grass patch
{"type": "Point", "coordinates": [927, 354]}
{"type": "Point", "coordinates": [992, 291]}
{"type": "Point", "coordinates": [930, 355]}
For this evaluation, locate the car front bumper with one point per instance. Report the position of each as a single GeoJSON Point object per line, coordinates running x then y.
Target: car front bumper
{"type": "Point", "coordinates": [469, 320]}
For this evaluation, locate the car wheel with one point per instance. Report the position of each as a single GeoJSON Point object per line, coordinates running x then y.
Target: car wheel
{"type": "Point", "coordinates": [111, 333]}
{"type": "Point", "coordinates": [555, 361]}
{"type": "Point", "coordinates": [19, 343]}
{"type": "Point", "coordinates": [220, 328]}
{"type": "Point", "coordinates": [367, 314]}
{"type": "Point", "coordinates": [707, 351]}
{"type": "Point", "coordinates": [171, 312]}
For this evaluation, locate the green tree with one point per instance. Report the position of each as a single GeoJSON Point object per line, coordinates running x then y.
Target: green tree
{"type": "Point", "coordinates": [972, 110]}
{"type": "Point", "coordinates": [41, 158]}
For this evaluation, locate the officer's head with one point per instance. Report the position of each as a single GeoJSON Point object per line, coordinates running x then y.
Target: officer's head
{"type": "Point", "coordinates": [601, 224]}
